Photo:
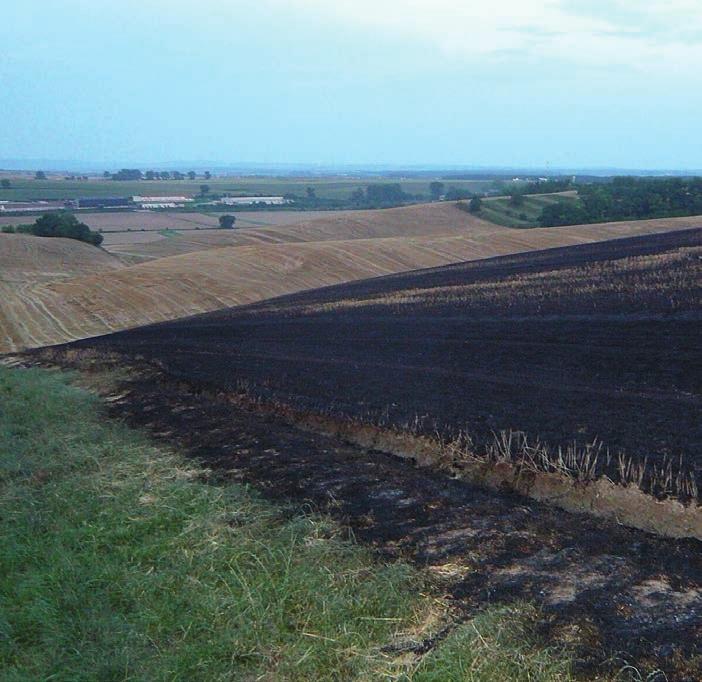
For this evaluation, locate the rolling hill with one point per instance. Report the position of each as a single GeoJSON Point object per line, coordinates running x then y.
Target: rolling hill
{"type": "Point", "coordinates": [66, 296]}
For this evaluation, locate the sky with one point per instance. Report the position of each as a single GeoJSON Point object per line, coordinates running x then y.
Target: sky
{"type": "Point", "coordinates": [517, 83]}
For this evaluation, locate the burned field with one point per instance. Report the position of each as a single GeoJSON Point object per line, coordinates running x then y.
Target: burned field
{"type": "Point", "coordinates": [587, 349]}
{"type": "Point", "coordinates": [577, 344]}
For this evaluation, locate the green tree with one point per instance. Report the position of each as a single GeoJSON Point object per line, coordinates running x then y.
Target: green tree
{"type": "Point", "coordinates": [358, 196]}
{"type": "Point", "coordinates": [191, 175]}
{"type": "Point", "coordinates": [208, 175]}
{"type": "Point", "coordinates": [226, 222]}
{"type": "Point", "coordinates": [6, 184]}
{"type": "Point", "coordinates": [476, 204]}
{"type": "Point", "coordinates": [61, 224]}
{"type": "Point", "coordinates": [40, 175]}
{"type": "Point", "coordinates": [436, 189]}
{"type": "Point", "coordinates": [107, 175]}
{"type": "Point", "coordinates": [204, 189]}
{"type": "Point", "coordinates": [517, 199]}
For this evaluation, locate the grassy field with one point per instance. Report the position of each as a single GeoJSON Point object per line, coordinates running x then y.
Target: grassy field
{"type": "Point", "coordinates": [122, 561]}
{"type": "Point", "coordinates": [26, 189]}
{"type": "Point", "coordinates": [502, 212]}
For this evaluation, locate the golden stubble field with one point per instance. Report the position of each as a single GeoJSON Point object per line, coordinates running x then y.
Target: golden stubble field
{"type": "Point", "coordinates": [59, 290]}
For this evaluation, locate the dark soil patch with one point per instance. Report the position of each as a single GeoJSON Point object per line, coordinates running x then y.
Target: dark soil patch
{"type": "Point", "coordinates": [611, 593]}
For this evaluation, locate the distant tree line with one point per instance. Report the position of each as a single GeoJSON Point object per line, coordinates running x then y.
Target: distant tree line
{"type": "Point", "coordinates": [58, 224]}
{"type": "Point", "coordinates": [134, 174]}
{"type": "Point", "coordinates": [380, 195]}
{"type": "Point", "coordinates": [628, 198]}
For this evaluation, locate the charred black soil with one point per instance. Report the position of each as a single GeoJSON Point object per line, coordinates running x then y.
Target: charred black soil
{"type": "Point", "coordinates": [593, 342]}
{"type": "Point", "coordinates": [610, 594]}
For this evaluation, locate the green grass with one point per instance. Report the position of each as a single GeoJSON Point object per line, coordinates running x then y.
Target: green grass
{"type": "Point", "coordinates": [502, 212]}
{"type": "Point", "coordinates": [119, 561]}
{"type": "Point", "coordinates": [326, 188]}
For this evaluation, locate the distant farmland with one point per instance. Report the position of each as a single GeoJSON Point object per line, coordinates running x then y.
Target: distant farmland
{"type": "Point", "coordinates": [25, 189]}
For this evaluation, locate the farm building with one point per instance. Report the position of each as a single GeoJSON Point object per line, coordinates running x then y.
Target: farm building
{"type": "Point", "coordinates": [161, 202]}
{"type": "Point", "coordinates": [30, 206]}
{"type": "Point", "coordinates": [104, 202]}
{"type": "Point", "coordinates": [244, 201]}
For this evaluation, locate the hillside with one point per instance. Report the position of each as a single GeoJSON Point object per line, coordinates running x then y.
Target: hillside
{"type": "Point", "coordinates": [27, 262]}
{"type": "Point", "coordinates": [264, 263]}
{"type": "Point", "coordinates": [408, 221]}
{"type": "Point", "coordinates": [24, 256]}
{"type": "Point", "coordinates": [597, 343]}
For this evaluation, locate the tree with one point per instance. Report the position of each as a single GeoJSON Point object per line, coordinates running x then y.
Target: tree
{"type": "Point", "coordinates": [226, 222]}
{"type": "Point", "coordinates": [204, 189]}
{"type": "Point", "coordinates": [58, 224]}
{"type": "Point", "coordinates": [456, 194]}
{"type": "Point", "coordinates": [358, 196]}
{"type": "Point", "coordinates": [436, 189]}
{"type": "Point", "coordinates": [150, 175]}
{"type": "Point", "coordinates": [6, 184]}
{"type": "Point", "coordinates": [517, 199]}
{"type": "Point", "coordinates": [177, 175]}
{"type": "Point", "coordinates": [476, 204]}
{"type": "Point", "coordinates": [311, 193]}
{"type": "Point", "coordinates": [208, 175]}
{"type": "Point", "coordinates": [40, 175]}
{"type": "Point", "coordinates": [165, 175]}
{"type": "Point", "coordinates": [127, 174]}
{"type": "Point", "coordinates": [191, 175]}
{"type": "Point", "coordinates": [107, 175]}
{"type": "Point", "coordinates": [385, 194]}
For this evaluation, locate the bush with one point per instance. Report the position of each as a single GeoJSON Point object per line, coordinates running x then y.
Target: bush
{"type": "Point", "coordinates": [64, 225]}
{"type": "Point", "coordinates": [226, 222]}
{"type": "Point", "coordinates": [8, 229]}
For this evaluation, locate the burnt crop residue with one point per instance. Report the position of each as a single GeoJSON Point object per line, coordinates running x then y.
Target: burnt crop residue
{"type": "Point", "coordinates": [587, 349]}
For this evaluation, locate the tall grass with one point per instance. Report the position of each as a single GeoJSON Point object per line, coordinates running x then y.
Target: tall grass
{"type": "Point", "coordinates": [119, 561]}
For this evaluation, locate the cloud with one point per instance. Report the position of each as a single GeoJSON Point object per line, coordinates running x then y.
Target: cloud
{"type": "Point", "coordinates": [639, 34]}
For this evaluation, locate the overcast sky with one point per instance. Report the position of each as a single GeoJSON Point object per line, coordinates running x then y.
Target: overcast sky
{"type": "Point", "coordinates": [565, 83]}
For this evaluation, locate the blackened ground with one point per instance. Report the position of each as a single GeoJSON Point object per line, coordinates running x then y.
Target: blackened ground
{"type": "Point", "coordinates": [589, 342]}
{"type": "Point", "coordinates": [608, 593]}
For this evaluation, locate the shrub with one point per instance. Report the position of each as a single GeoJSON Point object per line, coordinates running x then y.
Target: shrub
{"type": "Point", "coordinates": [59, 224]}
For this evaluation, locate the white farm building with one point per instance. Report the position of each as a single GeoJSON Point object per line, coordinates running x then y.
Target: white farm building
{"type": "Point", "coordinates": [247, 201]}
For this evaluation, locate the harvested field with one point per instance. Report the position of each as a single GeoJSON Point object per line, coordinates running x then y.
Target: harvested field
{"type": "Point", "coordinates": [612, 596]}
{"type": "Point", "coordinates": [265, 262]}
{"type": "Point", "coordinates": [27, 262]}
{"type": "Point", "coordinates": [411, 221]}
